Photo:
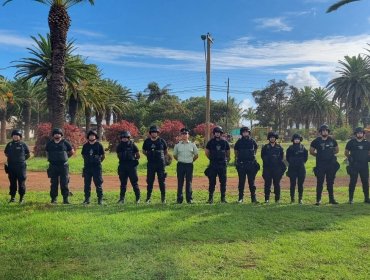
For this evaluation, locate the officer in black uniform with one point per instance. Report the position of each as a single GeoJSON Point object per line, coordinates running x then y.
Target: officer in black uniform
{"type": "Point", "coordinates": [324, 148]}
{"type": "Point", "coordinates": [358, 153]}
{"type": "Point", "coordinates": [58, 151]}
{"type": "Point", "coordinates": [93, 155]}
{"type": "Point", "coordinates": [128, 154]}
{"type": "Point", "coordinates": [17, 153]}
{"type": "Point", "coordinates": [296, 156]}
{"type": "Point", "coordinates": [218, 152]}
{"type": "Point", "coordinates": [273, 166]}
{"type": "Point", "coordinates": [155, 149]}
{"type": "Point", "coordinates": [246, 165]}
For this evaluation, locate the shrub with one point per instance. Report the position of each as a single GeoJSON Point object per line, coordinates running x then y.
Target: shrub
{"type": "Point", "coordinates": [200, 129]}
{"type": "Point", "coordinates": [170, 131]}
{"type": "Point", "coordinates": [72, 134]}
{"type": "Point", "coordinates": [342, 133]}
{"type": "Point", "coordinates": [112, 133]}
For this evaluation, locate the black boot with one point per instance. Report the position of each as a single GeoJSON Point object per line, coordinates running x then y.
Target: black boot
{"type": "Point", "coordinates": [331, 199]}
{"type": "Point", "coordinates": [53, 200]}
{"type": "Point", "coordinates": [163, 198]}
{"type": "Point", "coordinates": [100, 200]}
{"type": "Point", "coordinates": [210, 199]}
{"type": "Point", "coordinates": [21, 199]}
{"type": "Point", "coordinates": [65, 200]}
{"type": "Point", "coordinates": [254, 198]}
{"type": "Point", "coordinates": [12, 199]}
{"type": "Point", "coordinates": [86, 201]}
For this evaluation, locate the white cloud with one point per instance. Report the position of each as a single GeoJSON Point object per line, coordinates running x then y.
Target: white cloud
{"type": "Point", "coordinates": [275, 24]}
{"type": "Point", "coordinates": [8, 39]}
{"type": "Point", "coordinates": [87, 33]}
{"type": "Point", "coordinates": [301, 79]}
{"type": "Point", "coordinates": [247, 103]}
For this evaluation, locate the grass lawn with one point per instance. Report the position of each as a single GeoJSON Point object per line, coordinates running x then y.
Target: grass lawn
{"type": "Point", "coordinates": [285, 241]}
{"type": "Point", "coordinates": [111, 163]}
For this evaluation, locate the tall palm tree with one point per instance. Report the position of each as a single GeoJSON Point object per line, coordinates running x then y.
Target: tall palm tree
{"type": "Point", "coordinates": [59, 23]}
{"type": "Point", "coordinates": [352, 87]}
{"type": "Point", "coordinates": [249, 114]}
{"type": "Point", "coordinates": [339, 4]}
{"type": "Point", "coordinates": [6, 96]}
{"type": "Point", "coordinates": [39, 67]}
{"type": "Point", "coordinates": [155, 93]}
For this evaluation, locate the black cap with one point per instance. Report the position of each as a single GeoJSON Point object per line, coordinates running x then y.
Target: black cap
{"type": "Point", "coordinates": [125, 134]}
{"type": "Point", "coordinates": [217, 129]}
{"type": "Point", "coordinates": [359, 130]}
{"type": "Point", "coordinates": [16, 132]}
{"type": "Point", "coordinates": [324, 127]}
{"type": "Point", "coordinates": [92, 132]}
{"type": "Point", "coordinates": [297, 136]}
{"type": "Point", "coordinates": [243, 129]}
{"type": "Point", "coordinates": [272, 134]}
{"type": "Point", "coordinates": [57, 131]}
{"type": "Point", "coordinates": [153, 128]}
{"type": "Point", "coordinates": [184, 130]}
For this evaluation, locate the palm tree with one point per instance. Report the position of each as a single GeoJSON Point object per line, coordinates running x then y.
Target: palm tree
{"type": "Point", "coordinates": [39, 67]}
{"type": "Point", "coordinates": [352, 87]}
{"type": "Point", "coordinates": [6, 96]}
{"type": "Point", "coordinates": [249, 114]}
{"type": "Point", "coordinates": [155, 92]}
{"type": "Point", "coordinates": [59, 23]}
{"type": "Point", "coordinates": [339, 4]}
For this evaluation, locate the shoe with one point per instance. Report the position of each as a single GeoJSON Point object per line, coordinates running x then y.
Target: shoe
{"type": "Point", "coordinates": [240, 201]}
{"type": "Point", "coordinates": [277, 201]}
{"type": "Point", "coordinates": [137, 201]}
{"type": "Point", "coordinates": [11, 200]}
{"type": "Point", "coordinates": [121, 201]}
{"type": "Point", "coordinates": [223, 200]}
{"type": "Point", "coordinates": [147, 201]}
{"type": "Point", "coordinates": [254, 200]}
{"type": "Point", "coordinates": [163, 201]}
{"type": "Point", "coordinates": [190, 201]}
{"type": "Point", "coordinates": [210, 201]}
{"type": "Point", "coordinates": [300, 201]}
{"type": "Point", "coordinates": [333, 201]}
{"type": "Point", "coordinates": [21, 199]}
{"type": "Point", "coordinates": [179, 201]}
{"type": "Point", "coordinates": [100, 201]}
{"type": "Point", "coordinates": [86, 201]}
{"type": "Point", "coordinates": [292, 200]}
{"type": "Point", "coordinates": [267, 201]}
{"type": "Point", "coordinates": [318, 203]}
{"type": "Point", "coordinates": [367, 200]}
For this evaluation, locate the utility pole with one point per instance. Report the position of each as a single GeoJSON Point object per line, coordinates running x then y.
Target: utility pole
{"type": "Point", "coordinates": [227, 105]}
{"type": "Point", "coordinates": [208, 92]}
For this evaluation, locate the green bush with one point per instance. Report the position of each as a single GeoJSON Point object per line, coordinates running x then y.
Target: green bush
{"type": "Point", "coordinates": [342, 133]}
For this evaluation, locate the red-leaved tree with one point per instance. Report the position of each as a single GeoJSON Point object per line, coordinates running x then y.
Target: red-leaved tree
{"type": "Point", "coordinates": [200, 129]}
{"type": "Point", "coordinates": [72, 134]}
{"type": "Point", "coordinates": [113, 131]}
{"type": "Point", "coordinates": [170, 130]}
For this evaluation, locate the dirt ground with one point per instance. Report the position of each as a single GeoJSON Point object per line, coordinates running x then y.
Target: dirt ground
{"type": "Point", "coordinates": [38, 181]}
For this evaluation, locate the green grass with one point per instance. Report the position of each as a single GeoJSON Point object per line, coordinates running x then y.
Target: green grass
{"type": "Point", "coordinates": [40, 241]}
{"type": "Point", "coordinates": [111, 162]}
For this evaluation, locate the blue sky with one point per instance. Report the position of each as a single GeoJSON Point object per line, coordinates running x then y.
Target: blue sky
{"type": "Point", "coordinates": [139, 41]}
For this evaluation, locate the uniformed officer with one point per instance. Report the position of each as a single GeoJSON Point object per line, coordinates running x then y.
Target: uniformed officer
{"type": "Point", "coordinates": [218, 152]}
{"type": "Point", "coordinates": [246, 165]}
{"type": "Point", "coordinates": [58, 151]}
{"type": "Point", "coordinates": [17, 153]}
{"type": "Point", "coordinates": [185, 152]}
{"type": "Point", "coordinates": [296, 156]}
{"type": "Point", "coordinates": [93, 155]}
{"type": "Point", "coordinates": [324, 148]}
{"type": "Point", "coordinates": [155, 149]}
{"type": "Point", "coordinates": [273, 166]}
{"type": "Point", "coordinates": [358, 153]}
{"type": "Point", "coordinates": [128, 154]}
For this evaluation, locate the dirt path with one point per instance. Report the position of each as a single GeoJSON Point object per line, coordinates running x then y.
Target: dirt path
{"type": "Point", "coordinates": [38, 181]}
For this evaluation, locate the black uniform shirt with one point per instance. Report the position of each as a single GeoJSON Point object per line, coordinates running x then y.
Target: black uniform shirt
{"type": "Point", "coordinates": [57, 152]}
{"type": "Point", "coordinates": [17, 152]}
{"type": "Point", "coordinates": [296, 155]}
{"type": "Point", "coordinates": [92, 153]}
{"type": "Point", "coordinates": [246, 148]}
{"type": "Point", "coordinates": [126, 151]}
{"type": "Point", "coordinates": [217, 150]}
{"type": "Point", "coordinates": [272, 155]}
{"type": "Point", "coordinates": [325, 149]}
{"type": "Point", "coordinates": [359, 150]}
{"type": "Point", "coordinates": [155, 149]}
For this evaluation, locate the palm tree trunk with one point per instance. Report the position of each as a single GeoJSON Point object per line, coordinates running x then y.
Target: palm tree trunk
{"type": "Point", "coordinates": [99, 120]}
{"type": "Point", "coordinates": [3, 126]}
{"type": "Point", "coordinates": [72, 109]}
{"type": "Point", "coordinates": [108, 115]}
{"type": "Point", "coordinates": [27, 120]}
{"type": "Point", "coordinates": [88, 118]}
{"type": "Point", "coordinates": [59, 22]}
{"type": "Point", "coordinates": [49, 100]}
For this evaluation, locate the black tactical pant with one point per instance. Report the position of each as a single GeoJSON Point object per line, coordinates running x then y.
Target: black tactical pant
{"type": "Point", "coordinates": [184, 173]}
{"type": "Point", "coordinates": [59, 174]}
{"type": "Point", "coordinates": [213, 172]}
{"type": "Point", "coordinates": [297, 174]}
{"type": "Point", "coordinates": [128, 171]}
{"type": "Point", "coordinates": [361, 169]}
{"type": "Point", "coordinates": [243, 173]}
{"type": "Point", "coordinates": [325, 171]}
{"type": "Point", "coordinates": [272, 175]}
{"type": "Point", "coordinates": [152, 169]}
{"type": "Point", "coordinates": [93, 172]}
{"type": "Point", "coordinates": [17, 178]}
